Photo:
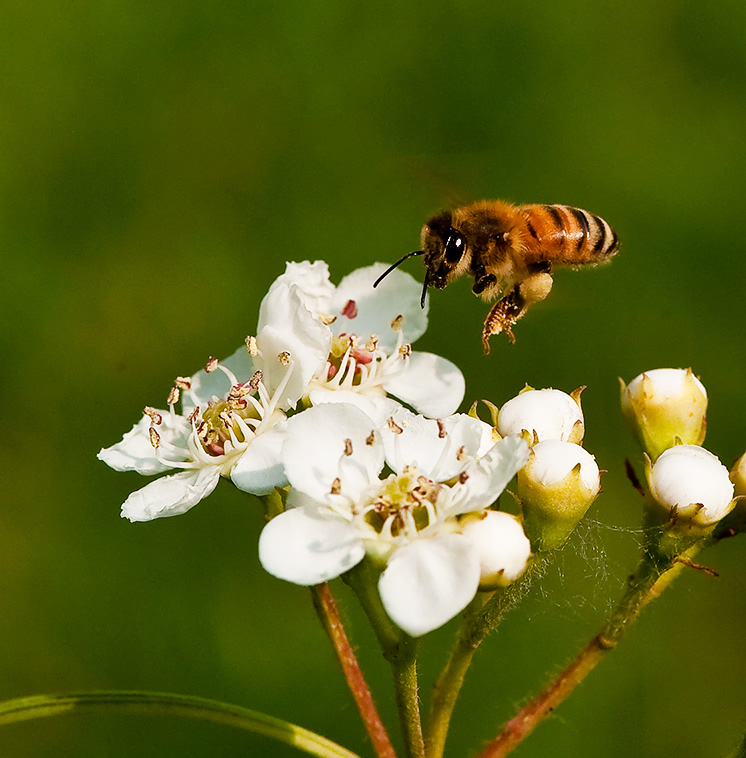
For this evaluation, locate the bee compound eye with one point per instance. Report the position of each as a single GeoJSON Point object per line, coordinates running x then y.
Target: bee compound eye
{"type": "Point", "coordinates": [455, 246]}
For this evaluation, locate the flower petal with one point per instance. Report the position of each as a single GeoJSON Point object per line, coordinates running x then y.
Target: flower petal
{"type": "Point", "coordinates": [287, 326]}
{"type": "Point", "coordinates": [432, 385]}
{"type": "Point", "coordinates": [307, 547]}
{"type": "Point", "coordinates": [485, 478]}
{"type": "Point", "coordinates": [397, 295]}
{"type": "Point", "coordinates": [209, 386]}
{"type": "Point", "coordinates": [171, 495]}
{"type": "Point", "coordinates": [378, 407]}
{"type": "Point", "coordinates": [135, 451]}
{"type": "Point", "coordinates": [439, 449]}
{"type": "Point", "coordinates": [429, 581]}
{"type": "Point", "coordinates": [313, 281]}
{"type": "Point", "coordinates": [259, 469]}
{"type": "Point", "coordinates": [332, 447]}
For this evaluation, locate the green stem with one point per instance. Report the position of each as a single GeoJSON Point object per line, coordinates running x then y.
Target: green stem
{"type": "Point", "coordinates": [328, 613]}
{"type": "Point", "coordinates": [400, 650]}
{"type": "Point", "coordinates": [654, 574]}
{"type": "Point", "coordinates": [155, 703]}
{"type": "Point", "coordinates": [481, 617]}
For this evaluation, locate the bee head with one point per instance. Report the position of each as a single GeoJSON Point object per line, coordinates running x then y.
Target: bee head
{"type": "Point", "coordinates": [445, 250]}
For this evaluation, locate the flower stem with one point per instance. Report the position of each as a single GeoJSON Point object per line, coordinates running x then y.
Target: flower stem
{"type": "Point", "coordinates": [653, 575]}
{"type": "Point", "coordinates": [328, 613]}
{"type": "Point", "coordinates": [167, 704]}
{"type": "Point", "coordinates": [400, 650]}
{"type": "Point", "coordinates": [483, 615]}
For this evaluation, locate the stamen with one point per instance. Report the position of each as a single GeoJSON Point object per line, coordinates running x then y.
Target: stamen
{"type": "Point", "coordinates": [350, 309]}
{"type": "Point", "coordinates": [393, 426]}
{"type": "Point", "coordinates": [405, 350]}
{"type": "Point", "coordinates": [336, 487]}
{"type": "Point", "coordinates": [183, 382]}
{"type": "Point", "coordinates": [153, 415]}
{"type": "Point", "coordinates": [441, 429]}
{"type": "Point", "coordinates": [173, 396]}
{"type": "Point", "coordinates": [155, 438]}
{"type": "Point", "coordinates": [397, 322]}
{"type": "Point", "coordinates": [284, 357]}
{"type": "Point", "coordinates": [212, 364]}
{"type": "Point", "coordinates": [251, 346]}
{"type": "Point", "coordinates": [371, 438]}
{"type": "Point", "coordinates": [194, 415]}
{"type": "Point", "coordinates": [348, 447]}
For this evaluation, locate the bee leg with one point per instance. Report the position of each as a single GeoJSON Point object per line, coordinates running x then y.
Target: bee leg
{"type": "Point", "coordinates": [483, 282]}
{"type": "Point", "coordinates": [503, 314]}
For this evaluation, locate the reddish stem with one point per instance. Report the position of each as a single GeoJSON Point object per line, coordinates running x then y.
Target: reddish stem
{"type": "Point", "coordinates": [326, 607]}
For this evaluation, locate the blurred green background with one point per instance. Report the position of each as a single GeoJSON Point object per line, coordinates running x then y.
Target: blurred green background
{"type": "Point", "coordinates": [158, 164]}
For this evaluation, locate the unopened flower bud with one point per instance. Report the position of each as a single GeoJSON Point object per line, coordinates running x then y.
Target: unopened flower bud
{"type": "Point", "coordinates": [501, 546]}
{"type": "Point", "coordinates": [690, 483]}
{"type": "Point", "coordinates": [556, 487]}
{"type": "Point", "coordinates": [547, 414]}
{"type": "Point", "coordinates": [666, 406]}
{"type": "Point", "coordinates": [738, 476]}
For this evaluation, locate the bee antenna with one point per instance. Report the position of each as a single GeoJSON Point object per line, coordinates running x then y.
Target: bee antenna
{"type": "Point", "coordinates": [424, 293]}
{"type": "Point", "coordinates": [396, 265]}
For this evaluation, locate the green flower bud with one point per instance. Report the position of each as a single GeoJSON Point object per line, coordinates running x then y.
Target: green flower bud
{"type": "Point", "coordinates": [692, 487]}
{"type": "Point", "coordinates": [666, 407]}
{"type": "Point", "coordinates": [556, 487]}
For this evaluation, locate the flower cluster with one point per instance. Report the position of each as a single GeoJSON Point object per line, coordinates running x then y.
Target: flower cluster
{"type": "Point", "coordinates": [312, 407]}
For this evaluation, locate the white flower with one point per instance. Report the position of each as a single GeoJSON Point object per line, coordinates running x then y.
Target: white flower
{"type": "Point", "coordinates": [229, 426]}
{"type": "Point", "coordinates": [339, 508]}
{"type": "Point", "coordinates": [691, 481]}
{"type": "Point", "coordinates": [352, 343]}
{"type": "Point", "coordinates": [549, 414]}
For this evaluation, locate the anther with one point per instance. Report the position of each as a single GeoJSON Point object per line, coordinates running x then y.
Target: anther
{"type": "Point", "coordinates": [348, 447]}
{"type": "Point", "coordinates": [393, 426]}
{"type": "Point", "coordinates": [251, 346]}
{"type": "Point", "coordinates": [463, 477]}
{"type": "Point", "coordinates": [152, 414]}
{"type": "Point", "coordinates": [396, 323]}
{"type": "Point", "coordinates": [284, 358]}
{"type": "Point", "coordinates": [336, 486]}
{"type": "Point", "coordinates": [155, 438]}
{"type": "Point", "coordinates": [350, 309]}
{"type": "Point", "coordinates": [441, 429]}
{"type": "Point", "coordinates": [183, 382]}
{"type": "Point", "coordinates": [371, 438]}
{"type": "Point", "coordinates": [193, 415]}
{"type": "Point", "coordinates": [211, 365]}
{"type": "Point", "coordinates": [173, 396]}
{"type": "Point", "coordinates": [405, 350]}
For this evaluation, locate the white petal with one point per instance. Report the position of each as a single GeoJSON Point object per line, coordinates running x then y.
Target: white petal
{"type": "Point", "coordinates": [332, 442]}
{"type": "Point", "coordinates": [692, 480]}
{"type": "Point", "coordinates": [287, 326]}
{"type": "Point", "coordinates": [135, 453]}
{"type": "Point", "coordinates": [440, 450]}
{"type": "Point", "coordinates": [432, 385]}
{"type": "Point", "coordinates": [551, 414]}
{"type": "Point", "coordinates": [171, 495]}
{"type": "Point", "coordinates": [259, 469]}
{"type": "Point", "coordinates": [501, 546]}
{"type": "Point", "coordinates": [428, 582]}
{"type": "Point", "coordinates": [216, 384]}
{"type": "Point", "coordinates": [488, 476]}
{"type": "Point", "coordinates": [379, 408]}
{"type": "Point", "coordinates": [306, 547]}
{"type": "Point", "coordinates": [313, 280]}
{"type": "Point", "coordinates": [397, 295]}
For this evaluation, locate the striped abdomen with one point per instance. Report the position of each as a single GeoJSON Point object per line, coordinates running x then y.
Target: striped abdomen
{"type": "Point", "coordinates": [567, 235]}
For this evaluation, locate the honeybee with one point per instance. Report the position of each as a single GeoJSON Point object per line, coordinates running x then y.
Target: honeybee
{"type": "Point", "coordinates": [510, 251]}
